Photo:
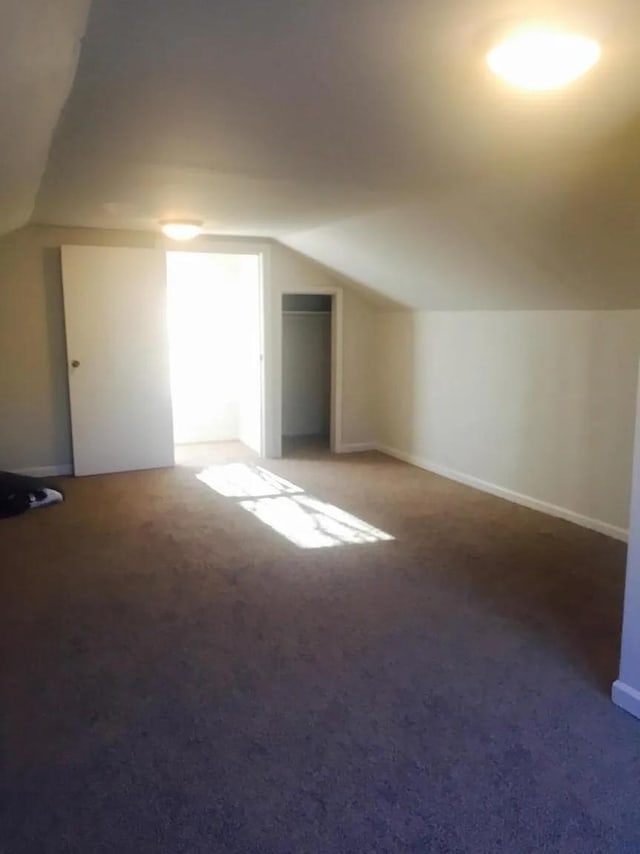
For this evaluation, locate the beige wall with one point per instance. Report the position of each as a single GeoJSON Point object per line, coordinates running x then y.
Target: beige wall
{"type": "Point", "coordinates": [536, 406]}
{"type": "Point", "coordinates": [34, 426]}
{"type": "Point", "coordinates": [291, 271]}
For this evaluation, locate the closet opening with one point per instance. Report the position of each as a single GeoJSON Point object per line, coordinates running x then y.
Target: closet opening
{"type": "Point", "coordinates": [307, 373]}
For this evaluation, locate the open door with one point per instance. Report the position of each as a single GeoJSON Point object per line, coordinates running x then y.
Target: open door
{"type": "Point", "coordinates": [118, 358]}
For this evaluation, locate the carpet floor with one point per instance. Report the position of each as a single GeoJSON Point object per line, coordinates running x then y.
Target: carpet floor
{"type": "Point", "coordinates": [179, 677]}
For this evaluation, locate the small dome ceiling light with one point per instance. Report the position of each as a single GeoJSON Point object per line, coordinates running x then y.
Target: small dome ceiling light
{"type": "Point", "coordinates": [181, 229]}
{"type": "Point", "coordinates": [540, 58]}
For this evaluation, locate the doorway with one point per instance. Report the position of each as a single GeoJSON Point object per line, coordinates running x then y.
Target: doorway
{"type": "Point", "coordinates": [215, 349]}
{"type": "Point", "coordinates": [307, 331]}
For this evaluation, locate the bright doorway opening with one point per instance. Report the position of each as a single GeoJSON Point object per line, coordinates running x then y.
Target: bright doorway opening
{"type": "Point", "coordinates": [214, 303]}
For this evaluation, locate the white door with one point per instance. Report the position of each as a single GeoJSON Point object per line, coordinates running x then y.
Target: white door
{"type": "Point", "coordinates": [118, 358]}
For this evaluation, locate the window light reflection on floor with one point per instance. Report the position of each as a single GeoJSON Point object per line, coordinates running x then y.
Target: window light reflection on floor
{"type": "Point", "coordinates": [239, 480]}
{"type": "Point", "coordinates": [305, 521]}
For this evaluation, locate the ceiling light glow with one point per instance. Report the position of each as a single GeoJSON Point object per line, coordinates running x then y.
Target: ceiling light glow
{"type": "Point", "coordinates": [540, 59]}
{"type": "Point", "coordinates": [181, 229]}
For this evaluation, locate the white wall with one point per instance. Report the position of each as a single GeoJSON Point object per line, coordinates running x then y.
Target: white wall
{"type": "Point", "coordinates": [538, 406]}
{"type": "Point", "coordinates": [306, 374]}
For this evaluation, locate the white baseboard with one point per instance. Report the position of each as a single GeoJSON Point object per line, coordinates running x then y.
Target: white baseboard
{"type": "Point", "coordinates": [508, 494]}
{"type": "Point", "coordinates": [46, 471]}
{"type": "Point", "coordinates": [626, 697]}
{"type": "Point", "coordinates": [356, 447]}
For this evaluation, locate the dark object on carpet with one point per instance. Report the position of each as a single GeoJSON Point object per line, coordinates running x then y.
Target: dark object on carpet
{"type": "Point", "coordinates": [19, 493]}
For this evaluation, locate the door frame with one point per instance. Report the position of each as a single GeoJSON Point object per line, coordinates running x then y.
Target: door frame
{"type": "Point", "coordinates": [274, 447]}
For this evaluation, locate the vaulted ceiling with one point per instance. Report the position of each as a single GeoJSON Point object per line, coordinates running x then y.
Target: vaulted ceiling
{"type": "Point", "coordinates": [39, 48]}
{"type": "Point", "coordinates": [367, 134]}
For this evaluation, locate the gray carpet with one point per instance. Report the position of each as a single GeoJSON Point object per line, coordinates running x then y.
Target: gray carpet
{"type": "Point", "coordinates": [178, 677]}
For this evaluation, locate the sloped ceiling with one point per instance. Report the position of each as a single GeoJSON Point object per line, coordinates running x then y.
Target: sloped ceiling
{"type": "Point", "coordinates": [367, 134]}
{"type": "Point", "coordinates": [39, 48]}
{"type": "Point", "coordinates": [566, 236]}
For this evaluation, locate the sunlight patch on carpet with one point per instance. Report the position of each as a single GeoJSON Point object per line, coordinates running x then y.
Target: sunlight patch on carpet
{"type": "Point", "coordinates": [304, 520]}
{"type": "Point", "coordinates": [239, 480]}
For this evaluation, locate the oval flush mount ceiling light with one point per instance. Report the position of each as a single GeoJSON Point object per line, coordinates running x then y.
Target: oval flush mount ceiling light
{"type": "Point", "coordinates": [540, 58]}
{"type": "Point", "coordinates": [181, 229]}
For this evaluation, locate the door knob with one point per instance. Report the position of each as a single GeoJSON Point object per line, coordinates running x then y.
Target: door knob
{"type": "Point", "coordinates": [75, 364]}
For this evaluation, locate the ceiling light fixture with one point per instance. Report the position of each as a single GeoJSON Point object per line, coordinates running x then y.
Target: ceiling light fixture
{"type": "Point", "coordinates": [540, 58]}
{"type": "Point", "coordinates": [183, 229]}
